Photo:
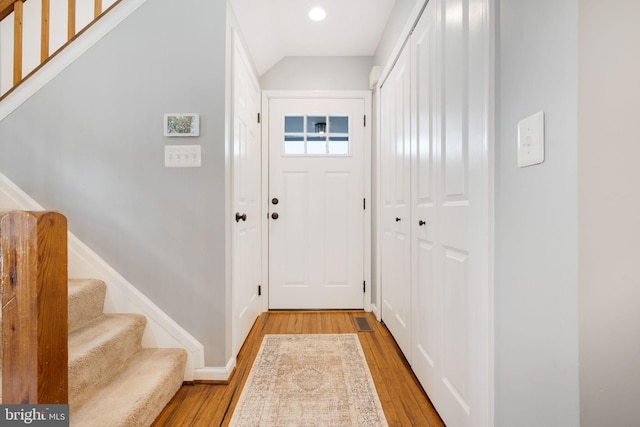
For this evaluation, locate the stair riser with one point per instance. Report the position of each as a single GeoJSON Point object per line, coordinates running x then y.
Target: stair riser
{"type": "Point", "coordinates": [138, 394]}
{"type": "Point", "coordinates": [103, 358]}
{"type": "Point", "coordinates": [86, 302]}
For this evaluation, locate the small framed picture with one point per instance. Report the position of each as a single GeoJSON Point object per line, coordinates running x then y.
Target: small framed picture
{"type": "Point", "coordinates": [181, 124]}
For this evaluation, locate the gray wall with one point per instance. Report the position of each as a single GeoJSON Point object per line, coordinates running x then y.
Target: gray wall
{"type": "Point", "coordinates": [90, 144]}
{"type": "Point", "coordinates": [609, 213]}
{"type": "Point", "coordinates": [396, 23]}
{"type": "Point", "coordinates": [536, 235]}
{"type": "Point", "coordinates": [318, 73]}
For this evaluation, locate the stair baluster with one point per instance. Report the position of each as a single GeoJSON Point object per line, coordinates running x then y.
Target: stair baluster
{"type": "Point", "coordinates": [14, 9]}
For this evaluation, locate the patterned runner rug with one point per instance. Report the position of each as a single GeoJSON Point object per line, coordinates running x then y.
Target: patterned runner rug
{"type": "Point", "coordinates": [309, 380]}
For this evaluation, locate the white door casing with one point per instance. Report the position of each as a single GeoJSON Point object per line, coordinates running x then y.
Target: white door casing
{"type": "Point", "coordinates": [316, 244]}
{"type": "Point", "coordinates": [395, 202]}
{"type": "Point", "coordinates": [246, 217]}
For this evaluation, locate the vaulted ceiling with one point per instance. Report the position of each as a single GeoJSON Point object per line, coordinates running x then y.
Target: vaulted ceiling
{"type": "Point", "coordinates": [274, 29]}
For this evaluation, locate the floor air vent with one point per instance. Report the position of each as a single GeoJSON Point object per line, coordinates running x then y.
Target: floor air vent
{"type": "Point", "coordinates": [362, 324]}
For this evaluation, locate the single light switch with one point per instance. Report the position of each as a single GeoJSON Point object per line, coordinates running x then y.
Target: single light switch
{"type": "Point", "coordinates": [531, 140]}
{"type": "Point", "coordinates": [182, 156]}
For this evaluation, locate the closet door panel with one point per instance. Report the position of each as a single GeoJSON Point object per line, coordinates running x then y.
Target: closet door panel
{"type": "Point", "coordinates": [464, 226]}
{"type": "Point", "coordinates": [396, 208]}
{"type": "Point", "coordinates": [453, 249]}
{"type": "Point", "coordinates": [427, 295]}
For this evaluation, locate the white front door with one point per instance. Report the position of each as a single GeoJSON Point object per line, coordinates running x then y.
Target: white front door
{"type": "Point", "coordinates": [316, 212]}
{"type": "Point", "coordinates": [246, 220]}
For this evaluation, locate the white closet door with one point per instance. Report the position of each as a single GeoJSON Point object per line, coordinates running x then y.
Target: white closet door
{"type": "Point", "coordinates": [395, 192]}
{"type": "Point", "coordinates": [426, 287]}
{"type": "Point", "coordinates": [451, 251]}
{"type": "Point", "coordinates": [435, 216]}
{"type": "Point", "coordinates": [463, 209]}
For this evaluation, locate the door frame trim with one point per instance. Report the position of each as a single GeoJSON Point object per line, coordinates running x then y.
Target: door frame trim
{"type": "Point", "coordinates": [365, 95]}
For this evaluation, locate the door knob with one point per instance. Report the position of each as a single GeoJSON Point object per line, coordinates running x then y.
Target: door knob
{"type": "Point", "coordinates": [275, 215]}
{"type": "Point", "coordinates": [398, 219]}
{"type": "Point", "coordinates": [421, 223]}
{"type": "Point", "coordinates": [275, 201]}
{"type": "Point", "coordinates": [240, 217]}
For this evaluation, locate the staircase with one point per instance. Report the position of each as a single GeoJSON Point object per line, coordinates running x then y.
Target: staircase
{"type": "Point", "coordinates": [113, 381]}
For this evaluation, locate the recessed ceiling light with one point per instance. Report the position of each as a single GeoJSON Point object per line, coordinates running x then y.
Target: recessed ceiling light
{"type": "Point", "coordinates": [317, 14]}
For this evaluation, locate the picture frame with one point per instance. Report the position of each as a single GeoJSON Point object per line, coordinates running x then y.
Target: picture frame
{"type": "Point", "coordinates": [181, 124]}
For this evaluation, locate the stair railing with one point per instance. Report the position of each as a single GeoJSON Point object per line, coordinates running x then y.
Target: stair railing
{"type": "Point", "coordinates": [15, 9]}
{"type": "Point", "coordinates": [33, 278]}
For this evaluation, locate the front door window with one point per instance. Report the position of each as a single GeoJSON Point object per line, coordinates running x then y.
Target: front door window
{"type": "Point", "coordinates": [316, 135]}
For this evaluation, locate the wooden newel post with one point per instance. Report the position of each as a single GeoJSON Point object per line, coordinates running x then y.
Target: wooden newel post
{"type": "Point", "coordinates": [33, 273]}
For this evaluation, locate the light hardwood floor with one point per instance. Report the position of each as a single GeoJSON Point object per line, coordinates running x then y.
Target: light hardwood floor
{"type": "Point", "coordinates": [403, 400]}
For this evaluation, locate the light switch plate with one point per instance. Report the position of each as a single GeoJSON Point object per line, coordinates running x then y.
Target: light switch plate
{"type": "Point", "coordinates": [531, 140]}
{"type": "Point", "coordinates": [182, 156]}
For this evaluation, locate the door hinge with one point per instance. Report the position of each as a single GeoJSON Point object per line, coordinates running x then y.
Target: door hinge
{"type": "Point", "coordinates": [364, 286]}
{"type": "Point", "coordinates": [258, 117]}
{"type": "Point", "coordinates": [259, 290]}
{"type": "Point", "coordinates": [364, 204]}
{"type": "Point", "coordinates": [364, 120]}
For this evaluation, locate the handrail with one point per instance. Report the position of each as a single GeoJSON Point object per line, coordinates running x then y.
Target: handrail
{"type": "Point", "coordinates": [15, 8]}
{"type": "Point", "coordinates": [6, 7]}
{"type": "Point", "coordinates": [33, 278]}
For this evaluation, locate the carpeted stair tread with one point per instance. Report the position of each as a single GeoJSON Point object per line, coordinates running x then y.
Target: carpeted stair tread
{"type": "Point", "coordinates": [113, 381]}
{"type": "Point", "coordinates": [86, 301]}
{"type": "Point", "coordinates": [137, 395]}
{"type": "Point", "coordinates": [100, 348]}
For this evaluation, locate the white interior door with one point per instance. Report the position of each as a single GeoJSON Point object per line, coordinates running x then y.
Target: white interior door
{"type": "Point", "coordinates": [316, 191]}
{"type": "Point", "coordinates": [246, 223]}
{"type": "Point", "coordinates": [464, 213]}
{"type": "Point", "coordinates": [396, 205]}
{"type": "Point", "coordinates": [450, 194]}
{"type": "Point", "coordinates": [426, 287]}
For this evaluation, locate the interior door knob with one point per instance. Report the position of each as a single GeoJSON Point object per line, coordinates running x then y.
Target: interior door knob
{"type": "Point", "coordinates": [275, 215]}
{"type": "Point", "coordinates": [240, 217]}
{"type": "Point", "coordinates": [398, 219]}
{"type": "Point", "coordinates": [275, 200]}
{"type": "Point", "coordinates": [421, 223]}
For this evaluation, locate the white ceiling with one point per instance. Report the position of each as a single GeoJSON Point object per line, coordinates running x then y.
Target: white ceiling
{"type": "Point", "coordinates": [274, 29]}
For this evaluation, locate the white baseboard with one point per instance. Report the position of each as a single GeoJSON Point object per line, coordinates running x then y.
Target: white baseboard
{"type": "Point", "coordinates": [215, 374]}
{"type": "Point", "coordinates": [122, 297]}
{"type": "Point", "coordinates": [12, 197]}
{"type": "Point", "coordinates": [375, 311]}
